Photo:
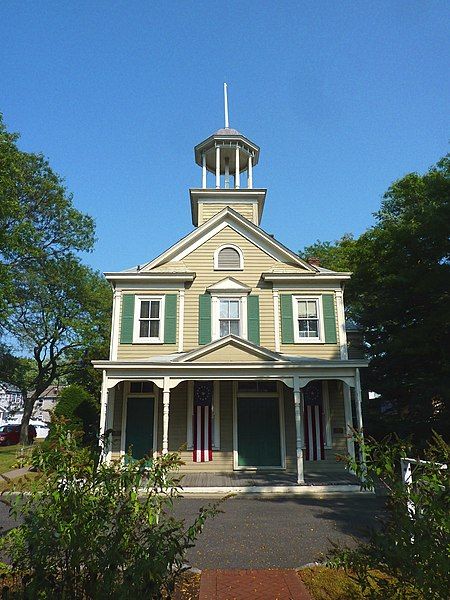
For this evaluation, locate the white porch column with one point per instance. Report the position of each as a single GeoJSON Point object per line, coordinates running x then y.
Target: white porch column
{"type": "Point", "coordinates": [110, 422]}
{"type": "Point", "coordinates": [237, 176]}
{"type": "Point", "coordinates": [103, 406]}
{"type": "Point", "coordinates": [203, 170]}
{"type": "Point", "coordinates": [166, 402]}
{"type": "Point", "coordinates": [298, 404]}
{"type": "Point", "coordinates": [250, 173]}
{"type": "Point", "coordinates": [227, 173]}
{"type": "Point", "coordinates": [358, 399]}
{"type": "Point", "coordinates": [359, 419]}
{"type": "Point", "coordinates": [348, 419]}
{"type": "Point", "coordinates": [217, 167]}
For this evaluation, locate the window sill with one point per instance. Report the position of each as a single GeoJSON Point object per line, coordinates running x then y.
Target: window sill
{"type": "Point", "coordinates": [147, 342]}
{"type": "Point", "coordinates": [306, 341]}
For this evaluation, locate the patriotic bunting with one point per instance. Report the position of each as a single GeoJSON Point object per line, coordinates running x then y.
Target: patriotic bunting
{"type": "Point", "coordinates": [202, 421]}
{"type": "Point", "coordinates": [313, 421]}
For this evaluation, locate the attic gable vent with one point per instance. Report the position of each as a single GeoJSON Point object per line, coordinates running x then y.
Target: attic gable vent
{"type": "Point", "coordinates": [228, 258]}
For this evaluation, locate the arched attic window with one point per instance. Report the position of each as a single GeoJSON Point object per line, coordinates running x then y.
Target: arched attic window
{"type": "Point", "coordinates": [228, 258]}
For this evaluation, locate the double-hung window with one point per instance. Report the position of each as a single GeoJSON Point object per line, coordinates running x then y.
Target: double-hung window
{"type": "Point", "coordinates": [148, 319]}
{"type": "Point", "coordinates": [229, 316]}
{"type": "Point", "coordinates": [308, 325]}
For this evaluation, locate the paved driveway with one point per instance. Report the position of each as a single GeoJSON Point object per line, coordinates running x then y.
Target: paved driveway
{"type": "Point", "coordinates": [261, 532]}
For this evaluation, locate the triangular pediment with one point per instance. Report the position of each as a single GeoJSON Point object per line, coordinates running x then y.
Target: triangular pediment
{"type": "Point", "coordinates": [230, 349]}
{"type": "Point", "coordinates": [245, 228]}
{"type": "Point", "coordinates": [229, 285]}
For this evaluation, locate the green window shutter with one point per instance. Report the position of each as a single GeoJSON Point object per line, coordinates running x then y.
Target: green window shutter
{"type": "Point", "coordinates": [126, 329]}
{"type": "Point", "coordinates": [329, 318]}
{"type": "Point", "coordinates": [253, 319]}
{"type": "Point", "coordinates": [287, 322]}
{"type": "Point", "coordinates": [170, 319]}
{"type": "Point", "coordinates": [204, 319]}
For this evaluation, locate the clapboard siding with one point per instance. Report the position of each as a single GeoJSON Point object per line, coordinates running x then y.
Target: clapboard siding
{"type": "Point", "coordinates": [338, 440]}
{"type": "Point", "coordinates": [206, 211]}
{"type": "Point", "coordinates": [326, 351]}
{"type": "Point", "coordinates": [140, 351]}
{"type": "Point", "coordinates": [223, 458]}
{"type": "Point", "coordinates": [255, 262]}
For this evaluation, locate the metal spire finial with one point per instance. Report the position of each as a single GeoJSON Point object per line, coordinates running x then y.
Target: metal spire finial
{"type": "Point", "coordinates": [225, 99]}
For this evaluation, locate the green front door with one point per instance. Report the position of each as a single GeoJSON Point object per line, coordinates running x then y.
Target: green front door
{"type": "Point", "coordinates": [258, 425]}
{"type": "Point", "coordinates": [139, 431]}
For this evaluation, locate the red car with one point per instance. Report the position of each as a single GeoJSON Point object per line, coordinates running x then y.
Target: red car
{"type": "Point", "coordinates": [10, 434]}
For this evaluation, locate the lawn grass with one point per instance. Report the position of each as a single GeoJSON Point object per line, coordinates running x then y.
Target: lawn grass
{"type": "Point", "coordinates": [329, 584]}
{"type": "Point", "coordinates": [324, 583]}
{"type": "Point", "coordinates": [8, 457]}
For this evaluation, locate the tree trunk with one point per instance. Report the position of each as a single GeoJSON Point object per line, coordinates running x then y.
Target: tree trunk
{"type": "Point", "coordinates": [28, 405]}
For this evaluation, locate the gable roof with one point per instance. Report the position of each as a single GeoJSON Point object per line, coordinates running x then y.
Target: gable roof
{"type": "Point", "coordinates": [253, 351]}
{"type": "Point", "coordinates": [229, 218]}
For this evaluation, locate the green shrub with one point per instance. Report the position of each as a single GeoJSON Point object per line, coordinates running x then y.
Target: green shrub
{"type": "Point", "coordinates": [81, 411]}
{"type": "Point", "coordinates": [93, 530]}
{"type": "Point", "coordinates": [412, 544]}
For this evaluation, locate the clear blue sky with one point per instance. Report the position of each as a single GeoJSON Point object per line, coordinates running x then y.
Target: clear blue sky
{"type": "Point", "coordinates": [343, 97]}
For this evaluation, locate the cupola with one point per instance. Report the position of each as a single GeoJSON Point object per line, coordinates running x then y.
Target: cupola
{"type": "Point", "coordinates": [230, 157]}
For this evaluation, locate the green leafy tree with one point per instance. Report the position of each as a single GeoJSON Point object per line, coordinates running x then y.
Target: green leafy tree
{"type": "Point", "coordinates": [93, 531]}
{"type": "Point", "coordinates": [37, 218]}
{"type": "Point", "coordinates": [52, 308]}
{"type": "Point", "coordinates": [400, 295]}
{"type": "Point", "coordinates": [337, 256]}
{"type": "Point", "coordinates": [80, 410]}
{"type": "Point", "coordinates": [63, 308]}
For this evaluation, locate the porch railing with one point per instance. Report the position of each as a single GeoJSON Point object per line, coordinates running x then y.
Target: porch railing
{"type": "Point", "coordinates": [407, 477]}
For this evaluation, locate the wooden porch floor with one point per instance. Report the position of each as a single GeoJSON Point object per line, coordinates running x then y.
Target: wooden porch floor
{"type": "Point", "coordinates": [264, 478]}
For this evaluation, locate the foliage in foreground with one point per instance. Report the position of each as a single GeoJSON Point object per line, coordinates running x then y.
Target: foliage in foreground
{"type": "Point", "coordinates": [87, 531]}
{"type": "Point", "coordinates": [412, 544]}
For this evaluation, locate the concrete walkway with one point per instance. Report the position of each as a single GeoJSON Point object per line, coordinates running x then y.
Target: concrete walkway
{"type": "Point", "coordinates": [16, 473]}
{"type": "Point", "coordinates": [273, 584]}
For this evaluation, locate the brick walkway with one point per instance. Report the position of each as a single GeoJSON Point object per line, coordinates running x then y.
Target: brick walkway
{"type": "Point", "coordinates": [269, 584]}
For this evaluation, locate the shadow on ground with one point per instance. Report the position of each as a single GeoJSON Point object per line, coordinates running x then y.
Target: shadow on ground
{"type": "Point", "coordinates": [264, 532]}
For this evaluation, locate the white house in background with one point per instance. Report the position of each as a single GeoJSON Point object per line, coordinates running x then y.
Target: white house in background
{"type": "Point", "coordinates": [11, 400]}
{"type": "Point", "coordinates": [46, 403]}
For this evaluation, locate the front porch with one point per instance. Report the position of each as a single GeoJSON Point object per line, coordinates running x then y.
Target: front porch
{"type": "Point", "coordinates": [268, 482]}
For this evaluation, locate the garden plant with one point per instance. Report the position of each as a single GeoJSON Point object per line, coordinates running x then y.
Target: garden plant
{"type": "Point", "coordinates": [408, 556]}
{"type": "Point", "coordinates": [93, 530]}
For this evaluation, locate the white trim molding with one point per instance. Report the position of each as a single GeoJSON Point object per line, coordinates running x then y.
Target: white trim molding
{"type": "Point", "coordinates": [295, 317]}
{"type": "Point", "coordinates": [341, 324]}
{"type": "Point", "coordinates": [181, 320]}
{"type": "Point", "coordinates": [233, 247]}
{"type": "Point", "coordinates": [215, 313]}
{"type": "Point", "coordinates": [154, 395]}
{"type": "Point", "coordinates": [114, 346]}
{"type": "Point", "coordinates": [276, 319]}
{"type": "Point", "coordinates": [137, 339]}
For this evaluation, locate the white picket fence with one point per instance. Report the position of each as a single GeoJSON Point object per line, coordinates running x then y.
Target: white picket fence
{"type": "Point", "coordinates": [407, 476]}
